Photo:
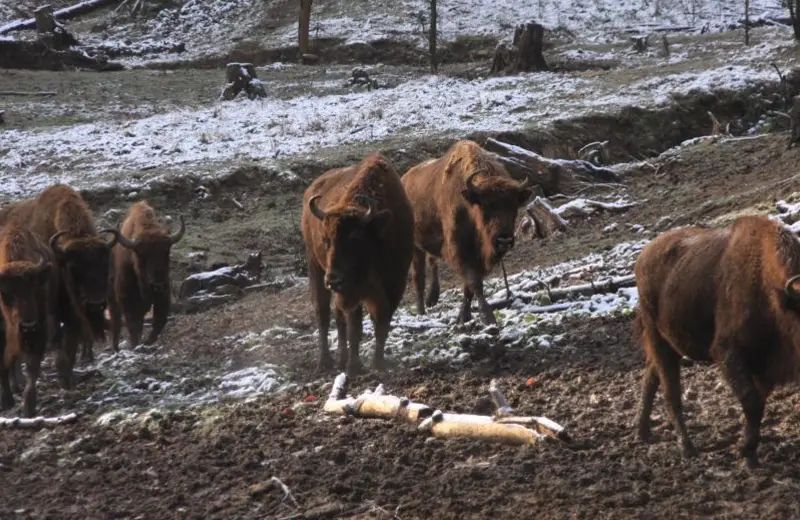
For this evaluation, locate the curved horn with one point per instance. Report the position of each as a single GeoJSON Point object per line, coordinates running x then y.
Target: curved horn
{"type": "Point", "coordinates": [125, 241]}
{"type": "Point", "coordinates": [312, 204]}
{"type": "Point", "coordinates": [40, 266]}
{"type": "Point", "coordinates": [176, 236]}
{"type": "Point", "coordinates": [524, 184]}
{"type": "Point", "coordinates": [789, 289]}
{"type": "Point", "coordinates": [117, 237]}
{"type": "Point", "coordinates": [470, 185]}
{"type": "Point", "coordinates": [369, 202]}
{"type": "Point", "coordinates": [54, 243]}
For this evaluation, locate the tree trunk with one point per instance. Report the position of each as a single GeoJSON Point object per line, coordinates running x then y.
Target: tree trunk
{"type": "Point", "coordinates": [529, 38]}
{"type": "Point", "coordinates": [432, 39]}
{"type": "Point", "coordinates": [794, 16]}
{"type": "Point", "coordinates": [304, 27]}
{"type": "Point", "coordinates": [747, 22]}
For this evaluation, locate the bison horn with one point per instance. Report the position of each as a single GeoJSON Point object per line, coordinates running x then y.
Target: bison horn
{"type": "Point", "coordinates": [125, 241]}
{"type": "Point", "coordinates": [41, 265]}
{"type": "Point", "coordinates": [113, 241]}
{"type": "Point", "coordinates": [175, 237]}
{"type": "Point", "coordinates": [54, 243]}
{"type": "Point", "coordinates": [470, 182]}
{"type": "Point", "coordinates": [369, 202]}
{"type": "Point", "coordinates": [789, 289]}
{"type": "Point", "coordinates": [312, 204]}
{"type": "Point", "coordinates": [524, 184]}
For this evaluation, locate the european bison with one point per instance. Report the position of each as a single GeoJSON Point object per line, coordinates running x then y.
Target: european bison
{"type": "Point", "coordinates": [730, 296]}
{"type": "Point", "coordinates": [358, 229]}
{"type": "Point", "coordinates": [28, 285]}
{"type": "Point", "coordinates": [61, 218]}
{"type": "Point", "coordinates": [140, 274]}
{"type": "Point", "coordinates": [465, 206]}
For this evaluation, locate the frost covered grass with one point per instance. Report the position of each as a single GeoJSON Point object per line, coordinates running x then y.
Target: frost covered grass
{"type": "Point", "coordinates": [435, 337]}
{"type": "Point", "coordinates": [136, 379]}
{"type": "Point", "coordinates": [105, 153]}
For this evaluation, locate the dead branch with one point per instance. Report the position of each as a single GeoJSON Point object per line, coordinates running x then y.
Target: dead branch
{"type": "Point", "coordinates": [553, 175]}
{"type": "Point", "coordinates": [715, 126]}
{"type": "Point", "coordinates": [505, 415]}
{"type": "Point", "coordinates": [19, 93]}
{"type": "Point", "coordinates": [35, 423]}
{"type": "Point", "coordinates": [287, 493]}
{"type": "Point", "coordinates": [541, 220]}
{"type": "Point", "coordinates": [66, 13]}
{"type": "Point", "coordinates": [503, 409]}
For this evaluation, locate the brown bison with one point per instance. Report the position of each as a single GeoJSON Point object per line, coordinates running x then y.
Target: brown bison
{"type": "Point", "coordinates": [140, 274]}
{"type": "Point", "coordinates": [465, 206]}
{"type": "Point", "coordinates": [358, 230]}
{"type": "Point", "coordinates": [61, 218]}
{"type": "Point", "coordinates": [28, 285]}
{"type": "Point", "coordinates": [730, 296]}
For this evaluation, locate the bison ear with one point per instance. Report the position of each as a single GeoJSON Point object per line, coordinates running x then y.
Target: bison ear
{"type": "Point", "coordinates": [471, 196]}
{"type": "Point", "coordinates": [525, 195]}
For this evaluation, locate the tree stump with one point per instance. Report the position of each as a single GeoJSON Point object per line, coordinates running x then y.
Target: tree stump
{"type": "Point", "coordinates": [525, 53]}
{"type": "Point", "coordinates": [45, 19]}
{"type": "Point", "coordinates": [239, 77]}
{"type": "Point", "coordinates": [304, 24]}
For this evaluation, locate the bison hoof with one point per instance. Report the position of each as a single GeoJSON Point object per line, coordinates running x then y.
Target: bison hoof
{"type": "Point", "coordinates": [644, 434]}
{"type": "Point", "coordinates": [7, 402]}
{"type": "Point", "coordinates": [432, 300]}
{"type": "Point", "coordinates": [689, 451]}
{"type": "Point", "coordinates": [379, 363]}
{"type": "Point", "coordinates": [751, 462]}
{"type": "Point", "coordinates": [325, 363]}
{"type": "Point", "coordinates": [354, 368]}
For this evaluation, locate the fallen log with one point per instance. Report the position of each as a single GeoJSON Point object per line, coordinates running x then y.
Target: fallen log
{"type": "Point", "coordinates": [553, 175]}
{"type": "Point", "coordinates": [446, 426]}
{"type": "Point", "coordinates": [373, 404]}
{"type": "Point", "coordinates": [607, 286]}
{"type": "Point", "coordinates": [38, 55]}
{"type": "Point", "coordinates": [62, 14]}
{"type": "Point", "coordinates": [34, 423]}
{"type": "Point", "coordinates": [583, 207]}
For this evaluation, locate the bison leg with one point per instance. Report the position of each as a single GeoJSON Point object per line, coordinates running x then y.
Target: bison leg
{"type": "Point", "coordinates": [33, 367]}
{"type": "Point", "coordinates": [668, 364]}
{"type": "Point", "coordinates": [17, 378]}
{"type": "Point", "coordinates": [65, 360]}
{"type": "Point", "coordinates": [382, 323]}
{"type": "Point", "coordinates": [87, 353]}
{"type": "Point", "coordinates": [418, 275]}
{"type": "Point", "coordinates": [116, 322]}
{"type": "Point", "coordinates": [433, 291]}
{"type": "Point", "coordinates": [341, 333]}
{"type": "Point", "coordinates": [160, 316]}
{"type": "Point", "coordinates": [355, 319]}
{"type": "Point", "coordinates": [649, 388]}
{"type": "Point", "coordinates": [483, 305]}
{"type": "Point", "coordinates": [6, 396]}
{"type": "Point", "coordinates": [753, 403]}
{"type": "Point", "coordinates": [322, 300]}
{"type": "Point", "coordinates": [134, 322]}
{"type": "Point", "coordinates": [465, 313]}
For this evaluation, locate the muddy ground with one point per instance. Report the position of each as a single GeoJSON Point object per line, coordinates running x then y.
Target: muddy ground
{"type": "Point", "coordinates": [216, 461]}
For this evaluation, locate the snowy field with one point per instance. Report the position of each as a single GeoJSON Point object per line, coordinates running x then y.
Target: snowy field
{"type": "Point", "coordinates": [105, 153]}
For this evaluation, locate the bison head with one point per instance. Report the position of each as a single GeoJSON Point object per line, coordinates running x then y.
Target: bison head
{"type": "Point", "coordinates": [21, 291]}
{"type": "Point", "coordinates": [349, 238]}
{"type": "Point", "coordinates": [151, 258]}
{"type": "Point", "coordinates": [495, 206]}
{"type": "Point", "coordinates": [84, 264]}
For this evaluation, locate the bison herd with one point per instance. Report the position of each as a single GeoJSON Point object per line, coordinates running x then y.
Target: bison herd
{"type": "Point", "coordinates": [57, 277]}
{"type": "Point", "coordinates": [729, 296]}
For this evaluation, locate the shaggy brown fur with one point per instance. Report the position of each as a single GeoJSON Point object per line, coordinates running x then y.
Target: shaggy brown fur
{"type": "Point", "coordinates": [471, 229]}
{"type": "Point", "coordinates": [60, 217]}
{"type": "Point", "coordinates": [140, 274]}
{"type": "Point", "coordinates": [28, 285]}
{"type": "Point", "coordinates": [728, 296]}
{"type": "Point", "coordinates": [358, 230]}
